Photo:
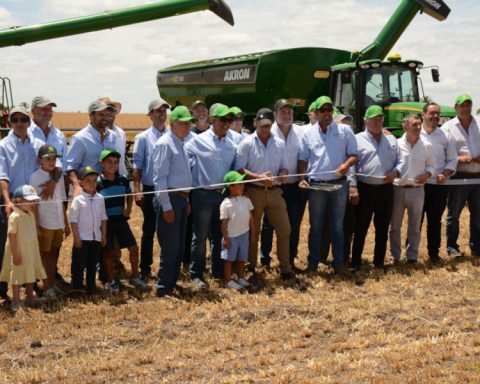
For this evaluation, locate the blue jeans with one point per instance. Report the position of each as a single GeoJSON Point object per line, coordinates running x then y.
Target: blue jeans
{"type": "Point", "coordinates": [296, 199]}
{"type": "Point", "coordinates": [148, 231]}
{"type": "Point", "coordinates": [206, 224]}
{"type": "Point", "coordinates": [172, 242]}
{"type": "Point", "coordinates": [458, 195]}
{"type": "Point", "coordinates": [318, 203]}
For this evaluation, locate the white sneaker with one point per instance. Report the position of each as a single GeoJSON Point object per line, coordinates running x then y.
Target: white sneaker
{"type": "Point", "coordinates": [199, 283]}
{"type": "Point", "coordinates": [243, 282]}
{"type": "Point", "coordinates": [50, 294]}
{"type": "Point", "coordinates": [113, 287]}
{"type": "Point", "coordinates": [140, 284]}
{"type": "Point", "coordinates": [232, 284]}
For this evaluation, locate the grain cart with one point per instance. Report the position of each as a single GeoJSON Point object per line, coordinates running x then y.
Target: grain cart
{"type": "Point", "coordinates": [354, 80]}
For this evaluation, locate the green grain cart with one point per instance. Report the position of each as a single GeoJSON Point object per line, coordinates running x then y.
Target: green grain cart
{"type": "Point", "coordinates": [354, 80]}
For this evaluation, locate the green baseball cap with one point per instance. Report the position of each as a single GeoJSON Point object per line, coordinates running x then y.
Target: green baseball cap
{"type": "Point", "coordinates": [373, 111]}
{"type": "Point", "coordinates": [181, 113]}
{"type": "Point", "coordinates": [85, 171]}
{"type": "Point", "coordinates": [323, 100]}
{"type": "Point", "coordinates": [221, 110]}
{"type": "Point", "coordinates": [462, 98]}
{"type": "Point", "coordinates": [236, 111]}
{"type": "Point", "coordinates": [312, 106]}
{"type": "Point", "coordinates": [282, 103]}
{"type": "Point", "coordinates": [109, 152]}
{"type": "Point", "coordinates": [232, 177]}
{"type": "Point", "coordinates": [47, 150]}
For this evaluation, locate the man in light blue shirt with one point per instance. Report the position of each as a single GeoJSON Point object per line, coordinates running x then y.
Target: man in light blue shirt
{"type": "Point", "coordinates": [18, 160]}
{"type": "Point", "coordinates": [379, 162]}
{"type": "Point", "coordinates": [143, 179]}
{"type": "Point", "coordinates": [327, 151]}
{"type": "Point", "coordinates": [262, 156]}
{"type": "Point", "coordinates": [171, 171]}
{"type": "Point", "coordinates": [212, 155]}
{"type": "Point", "coordinates": [86, 145]}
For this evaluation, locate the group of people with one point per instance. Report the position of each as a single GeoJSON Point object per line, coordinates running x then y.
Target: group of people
{"type": "Point", "coordinates": [205, 179]}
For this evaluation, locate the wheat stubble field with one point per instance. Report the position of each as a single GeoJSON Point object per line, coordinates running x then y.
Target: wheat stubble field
{"type": "Point", "coordinates": [415, 324]}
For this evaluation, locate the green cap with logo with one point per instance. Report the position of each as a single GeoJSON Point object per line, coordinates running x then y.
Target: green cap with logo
{"type": "Point", "coordinates": [236, 111]}
{"type": "Point", "coordinates": [85, 171]}
{"type": "Point", "coordinates": [47, 150]}
{"type": "Point", "coordinates": [373, 111]}
{"type": "Point", "coordinates": [312, 106]}
{"type": "Point", "coordinates": [232, 177]}
{"type": "Point", "coordinates": [222, 110]}
{"type": "Point", "coordinates": [323, 100]}
{"type": "Point", "coordinates": [181, 113]}
{"type": "Point", "coordinates": [109, 152]}
{"type": "Point", "coordinates": [462, 98]}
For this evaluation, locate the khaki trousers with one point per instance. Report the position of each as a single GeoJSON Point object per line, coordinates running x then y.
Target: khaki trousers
{"type": "Point", "coordinates": [271, 203]}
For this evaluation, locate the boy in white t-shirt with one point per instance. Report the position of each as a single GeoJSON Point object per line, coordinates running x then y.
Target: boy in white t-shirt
{"type": "Point", "coordinates": [51, 215]}
{"type": "Point", "coordinates": [237, 225]}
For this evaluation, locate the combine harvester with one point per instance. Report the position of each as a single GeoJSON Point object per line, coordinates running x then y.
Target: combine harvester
{"type": "Point", "coordinates": [354, 80]}
{"type": "Point", "coordinates": [97, 22]}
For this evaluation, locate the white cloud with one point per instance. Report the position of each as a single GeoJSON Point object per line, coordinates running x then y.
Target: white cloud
{"type": "Point", "coordinates": [123, 62]}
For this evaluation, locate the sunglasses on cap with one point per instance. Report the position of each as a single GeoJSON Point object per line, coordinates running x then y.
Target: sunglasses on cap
{"type": "Point", "coordinates": [20, 119]}
{"type": "Point", "coordinates": [327, 109]}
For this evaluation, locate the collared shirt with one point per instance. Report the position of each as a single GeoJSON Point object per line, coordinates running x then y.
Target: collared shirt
{"type": "Point", "coordinates": [376, 158]}
{"type": "Point", "coordinates": [142, 152]}
{"type": "Point", "coordinates": [197, 131]}
{"type": "Point", "coordinates": [292, 148]}
{"type": "Point", "coordinates": [88, 212]}
{"type": "Point", "coordinates": [55, 138]}
{"type": "Point", "coordinates": [443, 149]}
{"type": "Point", "coordinates": [235, 136]}
{"type": "Point", "coordinates": [120, 146]}
{"type": "Point", "coordinates": [85, 147]}
{"type": "Point", "coordinates": [324, 153]}
{"type": "Point", "coordinates": [418, 160]}
{"type": "Point", "coordinates": [253, 155]}
{"type": "Point", "coordinates": [50, 211]}
{"type": "Point", "coordinates": [170, 167]}
{"type": "Point", "coordinates": [210, 158]}
{"type": "Point", "coordinates": [18, 160]}
{"type": "Point", "coordinates": [114, 191]}
{"type": "Point", "coordinates": [466, 143]}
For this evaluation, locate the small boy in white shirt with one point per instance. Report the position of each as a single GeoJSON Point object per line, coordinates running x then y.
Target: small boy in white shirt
{"type": "Point", "coordinates": [237, 224]}
{"type": "Point", "coordinates": [88, 220]}
{"type": "Point", "coordinates": [51, 214]}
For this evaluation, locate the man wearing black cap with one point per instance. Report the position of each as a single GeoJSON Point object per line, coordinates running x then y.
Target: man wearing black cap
{"type": "Point", "coordinates": [262, 157]}
{"type": "Point", "coordinates": [296, 198]}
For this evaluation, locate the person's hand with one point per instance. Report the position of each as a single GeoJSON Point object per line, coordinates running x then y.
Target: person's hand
{"type": "Point", "coordinates": [67, 230]}
{"type": "Point", "coordinates": [77, 190]}
{"type": "Point", "coordinates": [267, 176]}
{"type": "Point", "coordinates": [169, 216]}
{"type": "Point", "coordinates": [77, 242]}
{"type": "Point", "coordinates": [465, 159]}
{"type": "Point", "coordinates": [282, 175]}
{"type": "Point", "coordinates": [253, 236]}
{"type": "Point", "coordinates": [342, 170]}
{"type": "Point", "coordinates": [104, 241]}
{"type": "Point", "coordinates": [227, 243]}
{"type": "Point", "coordinates": [441, 178]}
{"type": "Point", "coordinates": [139, 199]}
{"type": "Point", "coordinates": [9, 206]}
{"type": "Point", "coordinates": [127, 212]}
{"type": "Point", "coordinates": [353, 196]}
{"type": "Point", "coordinates": [303, 184]}
{"type": "Point", "coordinates": [16, 258]}
{"type": "Point", "coordinates": [476, 159]}
{"type": "Point", "coordinates": [48, 189]}
{"type": "Point", "coordinates": [390, 176]}
{"type": "Point", "coordinates": [421, 179]}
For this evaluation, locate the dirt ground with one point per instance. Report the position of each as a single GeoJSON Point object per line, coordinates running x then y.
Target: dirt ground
{"type": "Point", "coordinates": [407, 324]}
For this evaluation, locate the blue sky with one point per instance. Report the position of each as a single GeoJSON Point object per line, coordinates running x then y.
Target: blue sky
{"type": "Point", "coordinates": [122, 63]}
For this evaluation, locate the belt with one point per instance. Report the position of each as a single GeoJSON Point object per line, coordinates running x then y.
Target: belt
{"type": "Point", "coordinates": [334, 181]}
{"type": "Point", "coordinates": [264, 188]}
{"type": "Point", "coordinates": [182, 194]}
{"type": "Point", "coordinates": [466, 175]}
{"type": "Point", "coordinates": [410, 186]}
{"type": "Point", "coordinates": [217, 190]}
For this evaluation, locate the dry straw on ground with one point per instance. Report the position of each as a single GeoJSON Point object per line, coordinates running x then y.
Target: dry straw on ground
{"type": "Point", "coordinates": [407, 325]}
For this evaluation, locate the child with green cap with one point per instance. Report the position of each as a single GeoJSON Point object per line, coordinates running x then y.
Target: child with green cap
{"type": "Point", "coordinates": [237, 223]}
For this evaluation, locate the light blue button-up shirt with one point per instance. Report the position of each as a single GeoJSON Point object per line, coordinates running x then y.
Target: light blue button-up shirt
{"type": "Point", "coordinates": [142, 152]}
{"type": "Point", "coordinates": [376, 159]}
{"type": "Point", "coordinates": [55, 138]}
{"type": "Point", "coordinates": [324, 153]}
{"type": "Point", "coordinates": [258, 158]}
{"type": "Point", "coordinates": [171, 169]}
{"type": "Point", "coordinates": [210, 158]}
{"type": "Point", "coordinates": [18, 160]}
{"type": "Point", "coordinates": [292, 147]}
{"type": "Point", "coordinates": [85, 147]}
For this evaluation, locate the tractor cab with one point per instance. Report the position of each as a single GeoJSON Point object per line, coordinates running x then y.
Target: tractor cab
{"type": "Point", "coordinates": [392, 84]}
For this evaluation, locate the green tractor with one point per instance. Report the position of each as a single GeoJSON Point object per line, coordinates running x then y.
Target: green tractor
{"type": "Point", "coordinates": [354, 80]}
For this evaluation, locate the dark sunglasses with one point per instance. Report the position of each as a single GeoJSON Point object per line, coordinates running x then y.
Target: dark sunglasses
{"type": "Point", "coordinates": [20, 119]}
{"type": "Point", "coordinates": [226, 119]}
{"type": "Point", "coordinates": [323, 110]}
